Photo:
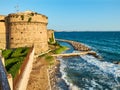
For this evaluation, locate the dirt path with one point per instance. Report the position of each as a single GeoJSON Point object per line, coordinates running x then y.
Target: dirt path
{"type": "Point", "coordinates": [39, 76]}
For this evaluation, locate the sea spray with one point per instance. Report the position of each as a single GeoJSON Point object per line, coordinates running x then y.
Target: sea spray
{"type": "Point", "coordinates": [64, 76]}
{"type": "Point", "coordinates": [104, 66]}
{"type": "Point", "coordinates": [89, 70]}
{"type": "Point", "coordinates": [94, 75]}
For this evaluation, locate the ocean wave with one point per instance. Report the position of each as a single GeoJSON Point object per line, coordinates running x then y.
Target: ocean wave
{"type": "Point", "coordinates": [104, 66]}
{"type": "Point", "coordinates": [64, 76]}
{"type": "Point", "coordinates": [88, 72]}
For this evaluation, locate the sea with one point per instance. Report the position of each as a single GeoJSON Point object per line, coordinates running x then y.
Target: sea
{"type": "Point", "coordinates": [88, 72]}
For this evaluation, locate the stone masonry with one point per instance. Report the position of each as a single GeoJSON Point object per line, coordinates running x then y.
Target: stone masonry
{"type": "Point", "coordinates": [2, 32]}
{"type": "Point", "coordinates": [24, 29]}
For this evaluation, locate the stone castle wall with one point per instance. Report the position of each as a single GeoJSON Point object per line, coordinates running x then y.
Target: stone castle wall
{"type": "Point", "coordinates": [2, 33]}
{"type": "Point", "coordinates": [51, 36]}
{"type": "Point", "coordinates": [27, 29]}
{"type": "Point", "coordinates": [24, 29]}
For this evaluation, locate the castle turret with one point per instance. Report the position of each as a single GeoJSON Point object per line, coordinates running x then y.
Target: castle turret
{"type": "Point", "coordinates": [27, 29]}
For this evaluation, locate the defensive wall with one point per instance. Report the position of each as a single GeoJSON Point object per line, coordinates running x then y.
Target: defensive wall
{"type": "Point", "coordinates": [51, 36]}
{"type": "Point", "coordinates": [2, 32]}
{"type": "Point", "coordinates": [25, 29]}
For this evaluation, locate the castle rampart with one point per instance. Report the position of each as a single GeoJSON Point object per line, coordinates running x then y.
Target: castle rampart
{"type": "Point", "coordinates": [27, 29]}
{"type": "Point", "coordinates": [24, 29]}
{"type": "Point", "coordinates": [2, 32]}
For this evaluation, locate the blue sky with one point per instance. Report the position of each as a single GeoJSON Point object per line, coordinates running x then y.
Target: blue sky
{"type": "Point", "coordinates": [71, 15]}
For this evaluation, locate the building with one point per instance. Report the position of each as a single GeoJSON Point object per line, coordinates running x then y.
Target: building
{"type": "Point", "coordinates": [24, 29]}
{"type": "Point", "coordinates": [51, 36]}
{"type": "Point", "coordinates": [2, 32]}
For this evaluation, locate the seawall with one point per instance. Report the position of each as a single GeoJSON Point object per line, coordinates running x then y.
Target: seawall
{"type": "Point", "coordinates": [81, 47]}
{"type": "Point", "coordinates": [77, 46]}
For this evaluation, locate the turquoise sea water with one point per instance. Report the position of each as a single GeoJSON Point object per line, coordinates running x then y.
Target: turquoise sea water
{"type": "Point", "coordinates": [87, 72]}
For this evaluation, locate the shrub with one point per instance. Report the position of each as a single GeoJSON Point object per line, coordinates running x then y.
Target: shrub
{"type": "Point", "coordinates": [14, 69]}
{"type": "Point", "coordinates": [7, 53]}
{"type": "Point", "coordinates": [22, 17]}
{"type": "Point", "coordinates": [32, 14]}
{"type": "Point", "coordinates": [29, 19]}
{"type": "Point", "coordinates": [13, 60]}
{"type": "Point", "coordinates": [49, 59]}
{"type": "Point", "coordinates": [20, 52]}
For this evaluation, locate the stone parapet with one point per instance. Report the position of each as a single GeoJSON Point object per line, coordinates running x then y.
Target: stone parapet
{"type": "Point", "coordinates": [27, 17]}
{"type": "Point", "coordinates": [27, 29]}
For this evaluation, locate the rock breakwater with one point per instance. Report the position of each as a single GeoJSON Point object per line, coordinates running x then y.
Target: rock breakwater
{"type": "Point", "coordinates": [81, 47]}
{"type": "Point", "coordinates": [77, 46]}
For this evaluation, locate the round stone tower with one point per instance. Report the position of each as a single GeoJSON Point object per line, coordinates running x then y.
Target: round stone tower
{"type": "Point", "coordinates": [27, 29]}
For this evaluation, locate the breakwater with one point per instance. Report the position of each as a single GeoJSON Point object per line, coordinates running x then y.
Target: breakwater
{"type": "Point", "coordinates": [77, 46]}
{"type": "Point", "coordinates": [80, 47]}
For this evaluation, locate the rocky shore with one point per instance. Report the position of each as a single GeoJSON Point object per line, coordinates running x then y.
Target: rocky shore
{"type": "Point", "coordinates": [53, 70]}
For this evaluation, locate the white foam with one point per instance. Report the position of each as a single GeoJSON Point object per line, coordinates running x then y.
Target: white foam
{"type": "Point", "coordinates": [64, 76]}
{"type": "Point", "coordinates": [107, 67]}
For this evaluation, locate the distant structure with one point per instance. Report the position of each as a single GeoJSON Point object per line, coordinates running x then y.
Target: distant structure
{"type": "Point", "coordinates": [51, 36]}
{"type": "Point", "coordinates": [24, 29]}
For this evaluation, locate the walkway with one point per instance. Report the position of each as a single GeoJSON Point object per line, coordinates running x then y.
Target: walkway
{"type": "Point", "coordinates": [74, 54]}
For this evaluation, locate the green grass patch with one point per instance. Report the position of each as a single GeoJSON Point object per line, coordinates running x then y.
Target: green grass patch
{"type": "Point", "coordinates": [7, 53]}
{"type": "Point", "coordinates": [60, 50]}
{"type": "Point", "coordinates": [20, 52]}
{"type": "Point", "coordinates": [15, 69]}
{"type": "Point", "coordinates": [14, 58]}
{"type": "Point", "coordinates": [49, 59]}
{"type": "Point", "coordinates": [10, 62]}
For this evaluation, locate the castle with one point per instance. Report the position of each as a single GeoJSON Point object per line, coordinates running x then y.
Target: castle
{"type": "Point", "coordinates": [24, 29]}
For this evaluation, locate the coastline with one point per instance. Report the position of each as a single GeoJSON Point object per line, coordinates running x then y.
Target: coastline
{"type": "Point", "coordinates": [55, 69]}
{"type": "Point", "coordinates": [45, 77]}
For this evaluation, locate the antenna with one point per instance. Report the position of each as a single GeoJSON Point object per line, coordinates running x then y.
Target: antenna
{"type": "Point", "coordinates": [17, 8]}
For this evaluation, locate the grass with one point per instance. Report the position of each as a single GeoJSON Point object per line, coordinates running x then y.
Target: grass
{"type": "Point", "coordinates": [14, 58]}
{"type": "Point", "coordinates": [15, 69]}
{"type": "Point", "coordinates": [20, 52]}
{"type": "Point", "coordinates": [49, 59]}
{"type": "Point", "coordinates": [10, 62]}
{"type": "Point", "coordinates": [7, 53]}
{"type": "Point", "coordinates": [60, 50]}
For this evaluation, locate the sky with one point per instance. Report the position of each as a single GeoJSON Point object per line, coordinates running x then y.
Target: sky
{"type": "Point", "coordinates": [71, 15]}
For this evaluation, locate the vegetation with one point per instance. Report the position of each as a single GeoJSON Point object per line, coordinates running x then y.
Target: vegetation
{"type": "Point", "coordinates": [56, 49]}
{"type": "Point", "coordinates": [14, 58]}
{"type": "Point", "coordinates": [49, 59]}
{"type": "Point", "coordinates": [51, 40]}
{"type": "Point", "coordinates": [29, 19]}
{"type": "Point", "coordinates": [60, 50]}
{"type": "Point", "coordinates": [20, 52]}
{"type": "Point", "coordinates": [7, 53]}
{"type": "Point", "coordinates": [22, 17]}
{"type": "Point", "coordinates": [32, 14]}
{"type": "Point", "coordinates": [14, 69]}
